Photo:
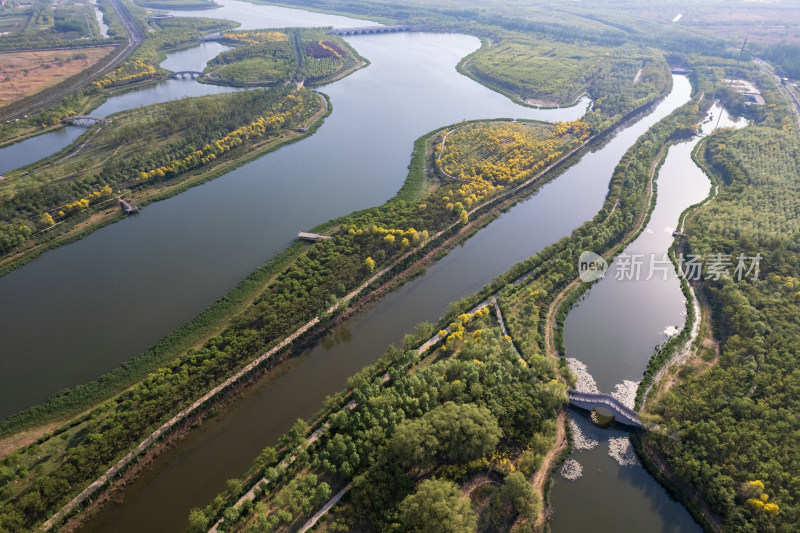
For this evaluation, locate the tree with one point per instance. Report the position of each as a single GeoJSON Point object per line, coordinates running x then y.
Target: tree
{"type": "Point", "coordinates": [463, 216]}
{"type": "Point", "coordinates": [47, 219]}
{"type": "Point", "coordinates": [437, 506]}
{"type": "Point", "coordinates": [369, 263]}
{"type": "Point", "coordinates": [519, 493]}
{"type": "Point", "coordinates": [198, 523]}
{"type": "Point", "coordinates": [452, 432]}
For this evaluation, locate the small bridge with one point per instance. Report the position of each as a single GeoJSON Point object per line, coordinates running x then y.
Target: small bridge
{"type": "Point", "coordinates": [588, 401]}
{"type": "Point", "coordinates": [186, 74]}
{"type": "Point", "coordinates": [365, 30]}
{"type": "Point", "coordinates": [83, 120]}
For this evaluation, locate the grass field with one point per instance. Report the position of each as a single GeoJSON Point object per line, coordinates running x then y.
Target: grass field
{"type": "Point", "coordinates": [25, 73]}
{"type": "Point", "coordinates": [178, 4]}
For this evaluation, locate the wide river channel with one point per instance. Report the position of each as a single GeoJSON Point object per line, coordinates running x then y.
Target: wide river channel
{"type": "Point", "coordinates": [106, 298]}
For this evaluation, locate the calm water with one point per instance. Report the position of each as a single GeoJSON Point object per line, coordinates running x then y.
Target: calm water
{"type": "Point", "coordinates": [613, 332]}
{"type": "Point", "coordinates": [99, 15]}
{"type": "Point", "coordinates": [33, 149]}
{"type": "Point", "coordinates": [106, 298]}
{"type": "Point", "coordinates": [191, 474]}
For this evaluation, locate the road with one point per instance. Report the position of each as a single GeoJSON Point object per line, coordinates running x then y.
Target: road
{"type": "Point", "coordinates": [46, 98]}
{"type": "Point", "coordinates": [786, 90]}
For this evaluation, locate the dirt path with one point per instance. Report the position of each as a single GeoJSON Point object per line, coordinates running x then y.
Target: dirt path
{"type": "Point", "coordinates": [543, 473]}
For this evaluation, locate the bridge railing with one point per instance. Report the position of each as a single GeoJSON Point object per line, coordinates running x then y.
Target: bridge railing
{"type": "Point", "coordinates": [607, 400]}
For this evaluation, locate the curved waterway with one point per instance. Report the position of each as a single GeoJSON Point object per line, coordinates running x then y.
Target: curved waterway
{"type": "Point", "coordinates": [109, 296]}
{"type": "Point", "coordinates": [613, 332]}
{"type": "Point", "coordinates": [193, 472]}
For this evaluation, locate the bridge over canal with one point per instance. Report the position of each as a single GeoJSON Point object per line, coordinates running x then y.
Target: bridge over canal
{"type": "Point", "coordinates": [83, 120]}
{"type": "Point", "coordinates": [365, 30]}
{"type": "Point", "coordinates": [187, 74]}
{"type": "Point", "coordinates": [588, 401]}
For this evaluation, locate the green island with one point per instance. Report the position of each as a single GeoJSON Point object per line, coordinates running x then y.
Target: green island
{"type": "Point", "coordinates": [460, 428]}
{"type": "Point", "coordinates": [45, 23]}
{"type": "Point", "coordinates": [307, 56]}
{"type": "Point", "coordinates": [78, 189]}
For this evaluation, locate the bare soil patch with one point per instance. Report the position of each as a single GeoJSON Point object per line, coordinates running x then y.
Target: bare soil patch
{"type": "Point", "coordinates": [25, 73]}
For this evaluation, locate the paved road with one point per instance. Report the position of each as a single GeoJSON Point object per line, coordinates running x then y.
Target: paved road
{"type": "Point", "coordinates": [49, 98]}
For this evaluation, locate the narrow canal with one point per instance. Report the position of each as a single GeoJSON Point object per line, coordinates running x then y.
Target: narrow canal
{"type": "Point", "coordinates": [610, 337]}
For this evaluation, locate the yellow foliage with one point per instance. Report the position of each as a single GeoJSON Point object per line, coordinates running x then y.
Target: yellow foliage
{"type": "Point", "coordinates": [488, 156]}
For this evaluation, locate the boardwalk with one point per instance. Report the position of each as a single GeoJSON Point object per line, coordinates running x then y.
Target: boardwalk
{"type": "Point", "coordinates": [127, 208]}
{"type": "Point", "coordinates": [622, 413]}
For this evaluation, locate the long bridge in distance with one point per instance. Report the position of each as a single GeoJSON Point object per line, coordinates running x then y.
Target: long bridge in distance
{"type": "Point", "coordinates": [588, 401]}
{"type": "Point", "coordinates": [365, 30]}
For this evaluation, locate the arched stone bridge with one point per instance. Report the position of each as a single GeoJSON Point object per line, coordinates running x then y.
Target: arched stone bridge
{"type": "Point", "coordinates": [186, 74]}
{"type": "Point", "coordinates": [83, 120]}
{"type": "Point", "coordinates": [364, 30]}
{"type": "Point", "coordinates": [588, 401]}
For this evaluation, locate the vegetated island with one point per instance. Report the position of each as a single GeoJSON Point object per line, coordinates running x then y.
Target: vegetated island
{"type": "Point", "coordinates": [269, 57]}
{"type": "Point", "coordinates": [143, 155]}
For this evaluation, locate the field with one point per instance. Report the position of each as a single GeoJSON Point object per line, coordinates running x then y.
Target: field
{"type": "Point", "coordinates": [178, 4]}
{"type": "Point", "coordinates": [26, 73]}
{"type": "Point", "coordinates": [542, 73]}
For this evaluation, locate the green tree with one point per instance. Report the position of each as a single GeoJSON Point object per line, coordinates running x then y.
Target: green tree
{"type": "Point", "coordinates": [519, 493]}
{"type": "Point", "coordinates": [452, 432]}
{"type": "Point", "coordinates": [437, 506]}
{"type": "Point", "coordinates": [198, 523]}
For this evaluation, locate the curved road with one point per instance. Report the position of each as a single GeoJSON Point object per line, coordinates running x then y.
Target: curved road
{"type": "Point", "coordinates": [50, 98]}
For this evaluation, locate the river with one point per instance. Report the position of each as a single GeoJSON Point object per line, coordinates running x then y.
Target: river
{"type": "Point", "coordinates": [111, 295]}
{"type": "Point", "coordinates": [104, 299]}
{"type": "Point", "coordinates": [613, 332]}
{"type": "Point", "coordinates": [99, 15]}
{"type": "Point", "coordinates": [190, 474]}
